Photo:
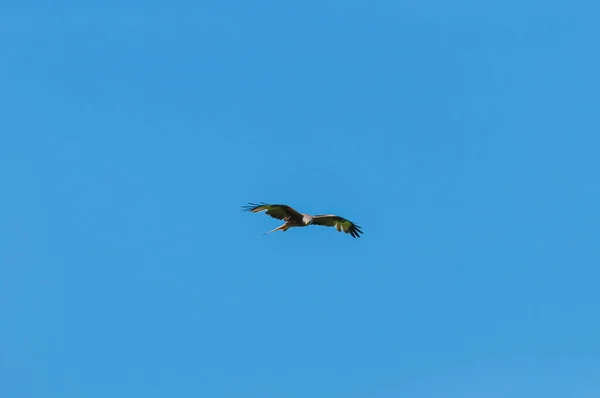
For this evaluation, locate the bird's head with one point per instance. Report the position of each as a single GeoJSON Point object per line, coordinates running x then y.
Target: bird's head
{"type": "Point", "coordinates": [307, 220]}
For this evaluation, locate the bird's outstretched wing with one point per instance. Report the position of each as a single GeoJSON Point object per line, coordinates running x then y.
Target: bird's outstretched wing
{"type": "Point", "coordinates": [280, 212]}
{"type": "Point", "coordinates": [340, 223]}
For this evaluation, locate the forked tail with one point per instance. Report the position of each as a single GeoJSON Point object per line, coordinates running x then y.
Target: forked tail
{"type": "Point", "coordinates": [283, 227]}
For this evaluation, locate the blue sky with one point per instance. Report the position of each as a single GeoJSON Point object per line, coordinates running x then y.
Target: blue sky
{"type": "Point", "coordinates": [462, 136]}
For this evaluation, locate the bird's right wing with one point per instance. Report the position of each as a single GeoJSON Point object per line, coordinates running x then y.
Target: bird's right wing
{"type": "Point", "coordinates": [340, 223]}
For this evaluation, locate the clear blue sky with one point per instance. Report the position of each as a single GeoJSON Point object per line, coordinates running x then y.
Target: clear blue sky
{"type": "Point", "coordinates": [464, 137]}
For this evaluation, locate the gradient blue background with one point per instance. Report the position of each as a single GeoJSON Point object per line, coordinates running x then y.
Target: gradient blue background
{"type": "Point", "coordinates": [462, 136]}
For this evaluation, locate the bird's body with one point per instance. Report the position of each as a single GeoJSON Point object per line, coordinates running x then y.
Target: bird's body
{"type": "Point", "coordinates": [293, 218]}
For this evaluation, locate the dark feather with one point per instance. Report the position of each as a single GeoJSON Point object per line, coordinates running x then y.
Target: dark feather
{"type": "Point", "coordinates": [330, 220]}
{"type": "Point", "coordinates": [277, 211]}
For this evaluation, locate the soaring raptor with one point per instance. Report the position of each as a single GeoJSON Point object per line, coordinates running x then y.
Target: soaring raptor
{"type": "Point", "coordinates": [293, 218]}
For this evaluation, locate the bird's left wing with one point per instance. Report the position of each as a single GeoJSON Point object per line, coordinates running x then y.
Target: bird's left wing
{"type": "Point", "coordinates": [340, 223]}
{"type": "Point", "coordinates": [280, 212]}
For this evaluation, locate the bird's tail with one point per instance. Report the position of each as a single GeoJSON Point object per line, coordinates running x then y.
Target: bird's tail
{"type": "Point", "coordinates": [283, 227]}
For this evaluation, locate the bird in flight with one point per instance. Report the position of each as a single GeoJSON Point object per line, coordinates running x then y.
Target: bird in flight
{"type": "Point", "coordinates": [293, 218]}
